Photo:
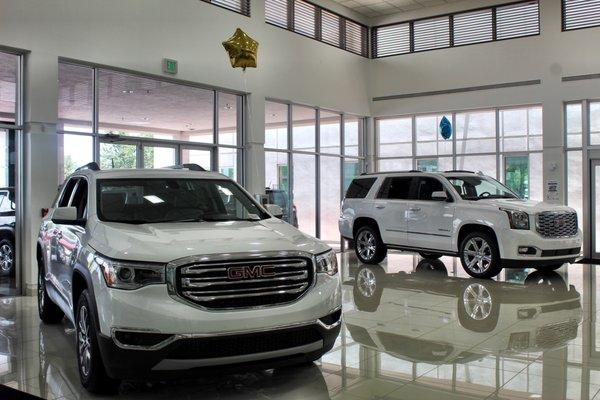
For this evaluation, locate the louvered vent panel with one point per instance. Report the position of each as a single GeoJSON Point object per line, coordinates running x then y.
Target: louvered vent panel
{"type": "Point", "coordinates": [304, 18]}
{"type": "Point", "coordinates": [239, 6]}
{"type": "Point", "coordinates": [391, 40]}
{"type": "Point", "coordinates": [579, 14]}
{"type": "Point", "coordinates": [356, 38]}
{"type": "Point", "coordinates": [473, 27]}
{"type": "Point", "coordinates": [276, 12]}
{"type": "Point", "coordinates": [330, 28]}
{"type": "Point", "coordinates": [432, 33]}
{"type": "Point", "coordinates": [517, 20]}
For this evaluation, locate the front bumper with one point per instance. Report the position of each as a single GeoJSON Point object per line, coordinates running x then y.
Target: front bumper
{"type": "Point", "coordinates": [191, 354]}
{"type": "Point", "coordinates": [547, 251]}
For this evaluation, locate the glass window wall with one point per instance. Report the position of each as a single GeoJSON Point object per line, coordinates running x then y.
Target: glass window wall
{"type": "Point", "coordinates": [145, 122]}
{"type": "Point", "coordinates": [310, 159]}
{"type": "Point", "coordinates": [505, 143]}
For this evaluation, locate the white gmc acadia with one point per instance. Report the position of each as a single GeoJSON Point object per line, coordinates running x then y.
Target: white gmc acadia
{"type": "Point", "coordinates": [172, 270]}
{"type": "Point", "coordinates": [457, 213]}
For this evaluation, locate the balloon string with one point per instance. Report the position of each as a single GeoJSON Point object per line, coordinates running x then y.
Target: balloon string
{"type": "Point", "coordinates": [249, 111]}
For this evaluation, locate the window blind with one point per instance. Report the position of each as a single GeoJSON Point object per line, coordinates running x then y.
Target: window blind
{"type": "Point", "coordinates": [239, 6]}
{"type": "Point", "coordinates": [577, 14]}
{"type": "Point", "coordinates": [308, 19]}
{"type": "Point", "coordinates": [458, 29]}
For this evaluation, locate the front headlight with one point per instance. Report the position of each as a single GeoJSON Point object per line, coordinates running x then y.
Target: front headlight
{"type": "Point", "coordinates": [517, 219]}
{"type": "Point", "coordinates": [327, 263]}
{"type": "Point", "coordinates": [130, 275]}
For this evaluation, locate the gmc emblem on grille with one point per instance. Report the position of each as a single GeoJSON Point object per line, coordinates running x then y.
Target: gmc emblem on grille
{"type": "Point", "coordinates": [250, 272]}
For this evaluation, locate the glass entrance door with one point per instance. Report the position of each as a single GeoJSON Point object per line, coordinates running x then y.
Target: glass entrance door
{"type": "Point", "coordinates": [516, 174]}
{"type": "Point", "coordinates": [8, 177]}
{"type": "Point", "coordinates": [595, 208]}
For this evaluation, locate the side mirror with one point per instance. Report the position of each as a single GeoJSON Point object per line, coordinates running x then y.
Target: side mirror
{"type": "Point", "coordinates": [439, 196]}
{"type": "Point", "coordinates": [274, 210]}
{"type": "Point", "coordinates": [66, 216]}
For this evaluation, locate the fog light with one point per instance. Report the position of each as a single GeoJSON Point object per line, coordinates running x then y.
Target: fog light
{"type": "Point", "coordinates": [526, 313]}
{"type": "Point", "coordinates": [527, 250]}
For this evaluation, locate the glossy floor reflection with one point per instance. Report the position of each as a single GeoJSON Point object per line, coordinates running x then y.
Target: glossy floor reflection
{"type": "Point", "coordinates": [413, 329]}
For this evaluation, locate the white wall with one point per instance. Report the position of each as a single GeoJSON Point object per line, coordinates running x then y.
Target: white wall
{"type": "Point", "coordinates": [137, 34]}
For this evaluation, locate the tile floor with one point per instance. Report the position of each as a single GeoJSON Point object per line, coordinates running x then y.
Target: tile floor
{"type": "Point", "coordinates": [413, 329]}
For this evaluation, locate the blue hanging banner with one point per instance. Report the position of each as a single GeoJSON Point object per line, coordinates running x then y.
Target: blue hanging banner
{"type": "Point", "coordinates": [445, 128]}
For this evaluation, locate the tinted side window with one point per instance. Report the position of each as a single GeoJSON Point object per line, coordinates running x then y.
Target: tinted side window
{"type": "Point", "coordinates": [426, 186]}
{"type": "Point", "coordinates": [397, 188]}
{"type": "Point", "coordinates": [359, 188]}
{"type": "Point", "coordinates": [66, 194]}
{"type": "Point", "coordinates": [80, 198]}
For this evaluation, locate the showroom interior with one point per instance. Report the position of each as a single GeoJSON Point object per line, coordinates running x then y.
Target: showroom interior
{"type": "Point", "coordinates": [342, 89]}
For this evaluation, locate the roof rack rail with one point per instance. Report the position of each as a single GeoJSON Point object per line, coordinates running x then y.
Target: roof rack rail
{"type": "Point", "coordinates": [390, 172]}
{"type": "Point", "coordinates": [459, 170]}
{"type": "Point", "coordinates": [91, 166]}
{"type": "Point", "coordinates": [191, 167]}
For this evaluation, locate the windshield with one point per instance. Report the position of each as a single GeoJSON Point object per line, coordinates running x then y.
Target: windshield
{"type": "Point", "coordinates": [146, 201]}
{"type": "Point", "coordinates": [480, 187]}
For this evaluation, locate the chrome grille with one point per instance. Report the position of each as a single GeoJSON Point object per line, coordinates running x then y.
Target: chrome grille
{"type": "Point", "coordinates": [550, 336]}
{"type": "Point", "coordinates": [242, 284]}
{"type": "Point", "coordinates": [556, 224]}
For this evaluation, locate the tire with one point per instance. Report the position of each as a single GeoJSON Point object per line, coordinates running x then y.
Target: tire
{"type": "Point", "coordinates": [552, 267]}
{"type": "Point", "coordinates": [368, 287]}
{"type": "Point", "coordinates": [431, 267]}
{"type": "Point", "coordinates": [7, 257]}
{"type": "Point", "coordinates": [479, 255]}
{"type": "Point", "coordinates": [369, 247]}
{"type": "Point", "coordinates": [478, 307]}
{"type": "Point", "coordinates": [91, 368]}
{"type": "Point", "coordinates": [549, 281]}
{"type": "Point", "coordinates": [49, 312]}
{"type": "Point", "coordinates": [429, 256]}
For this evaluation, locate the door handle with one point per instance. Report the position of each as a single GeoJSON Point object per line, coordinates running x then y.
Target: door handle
{"type": "Point", "coordinates": [380, 206]}
{"type": "Point", "coordinates": [415, 209]}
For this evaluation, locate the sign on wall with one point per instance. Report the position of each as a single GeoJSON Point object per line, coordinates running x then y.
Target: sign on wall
{"type": "Point", "coordinates": [170, 66]}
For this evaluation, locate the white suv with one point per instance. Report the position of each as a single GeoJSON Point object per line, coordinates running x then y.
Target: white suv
{"type": "Point", "coordinates": [177, 269]}
{"type": "Point", "coordinates": [457, 213]}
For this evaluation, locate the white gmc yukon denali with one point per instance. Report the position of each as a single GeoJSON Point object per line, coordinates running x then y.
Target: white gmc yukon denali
{"type": "Point", "coordinates": [457, 213]}
{"type": "Point", "coordinates": [168, 271]}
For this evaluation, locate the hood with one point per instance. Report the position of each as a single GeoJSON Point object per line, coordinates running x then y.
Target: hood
{"type": "Point", "coordinates": [169, 241]}
{"type": "Point", "coordinates": [529, 206]}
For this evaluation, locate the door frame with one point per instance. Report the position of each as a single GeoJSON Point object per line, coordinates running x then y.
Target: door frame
{"type": "Point", "coordinates": [593, 164]}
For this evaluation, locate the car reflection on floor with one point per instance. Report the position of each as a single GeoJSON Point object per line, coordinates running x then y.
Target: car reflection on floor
{"type": "Point", "coordinates": [428, 316]}
{"type": "Point", "coordinates": [58, 378]}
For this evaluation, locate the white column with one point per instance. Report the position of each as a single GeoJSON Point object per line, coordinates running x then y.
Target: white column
{"type": "Point", "coordinates": [40, 158]}
{"type": "Point", "coordinates": [255, 143]}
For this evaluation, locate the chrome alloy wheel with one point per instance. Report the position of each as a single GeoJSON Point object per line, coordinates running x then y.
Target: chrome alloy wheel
{"type": "Point", "coordinates": [6, 257]}
{"type": "Point", "coordinates": [477, 301]}
{"type": "Point", "coordinates": [478, 255]}
{"type": "Point", "coordinates": [367, 282]}
{"type": "Point", "coordinates": [365, 243]}
{"type": "Point", "coordinates": [83, 341]}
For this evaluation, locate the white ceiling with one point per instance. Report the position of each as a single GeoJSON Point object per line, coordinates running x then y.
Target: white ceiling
{"type": "Point", "coordinates": [376, 8]}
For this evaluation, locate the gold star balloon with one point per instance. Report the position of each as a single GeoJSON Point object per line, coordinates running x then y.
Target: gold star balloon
{"type": "Point", "coordinates": [242, 50]}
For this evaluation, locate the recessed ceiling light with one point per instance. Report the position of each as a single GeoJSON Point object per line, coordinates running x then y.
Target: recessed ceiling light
{"type": "Point", "coordinates": [127, 91]}
{"type": "Point", "coordinates": [228, 106]}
